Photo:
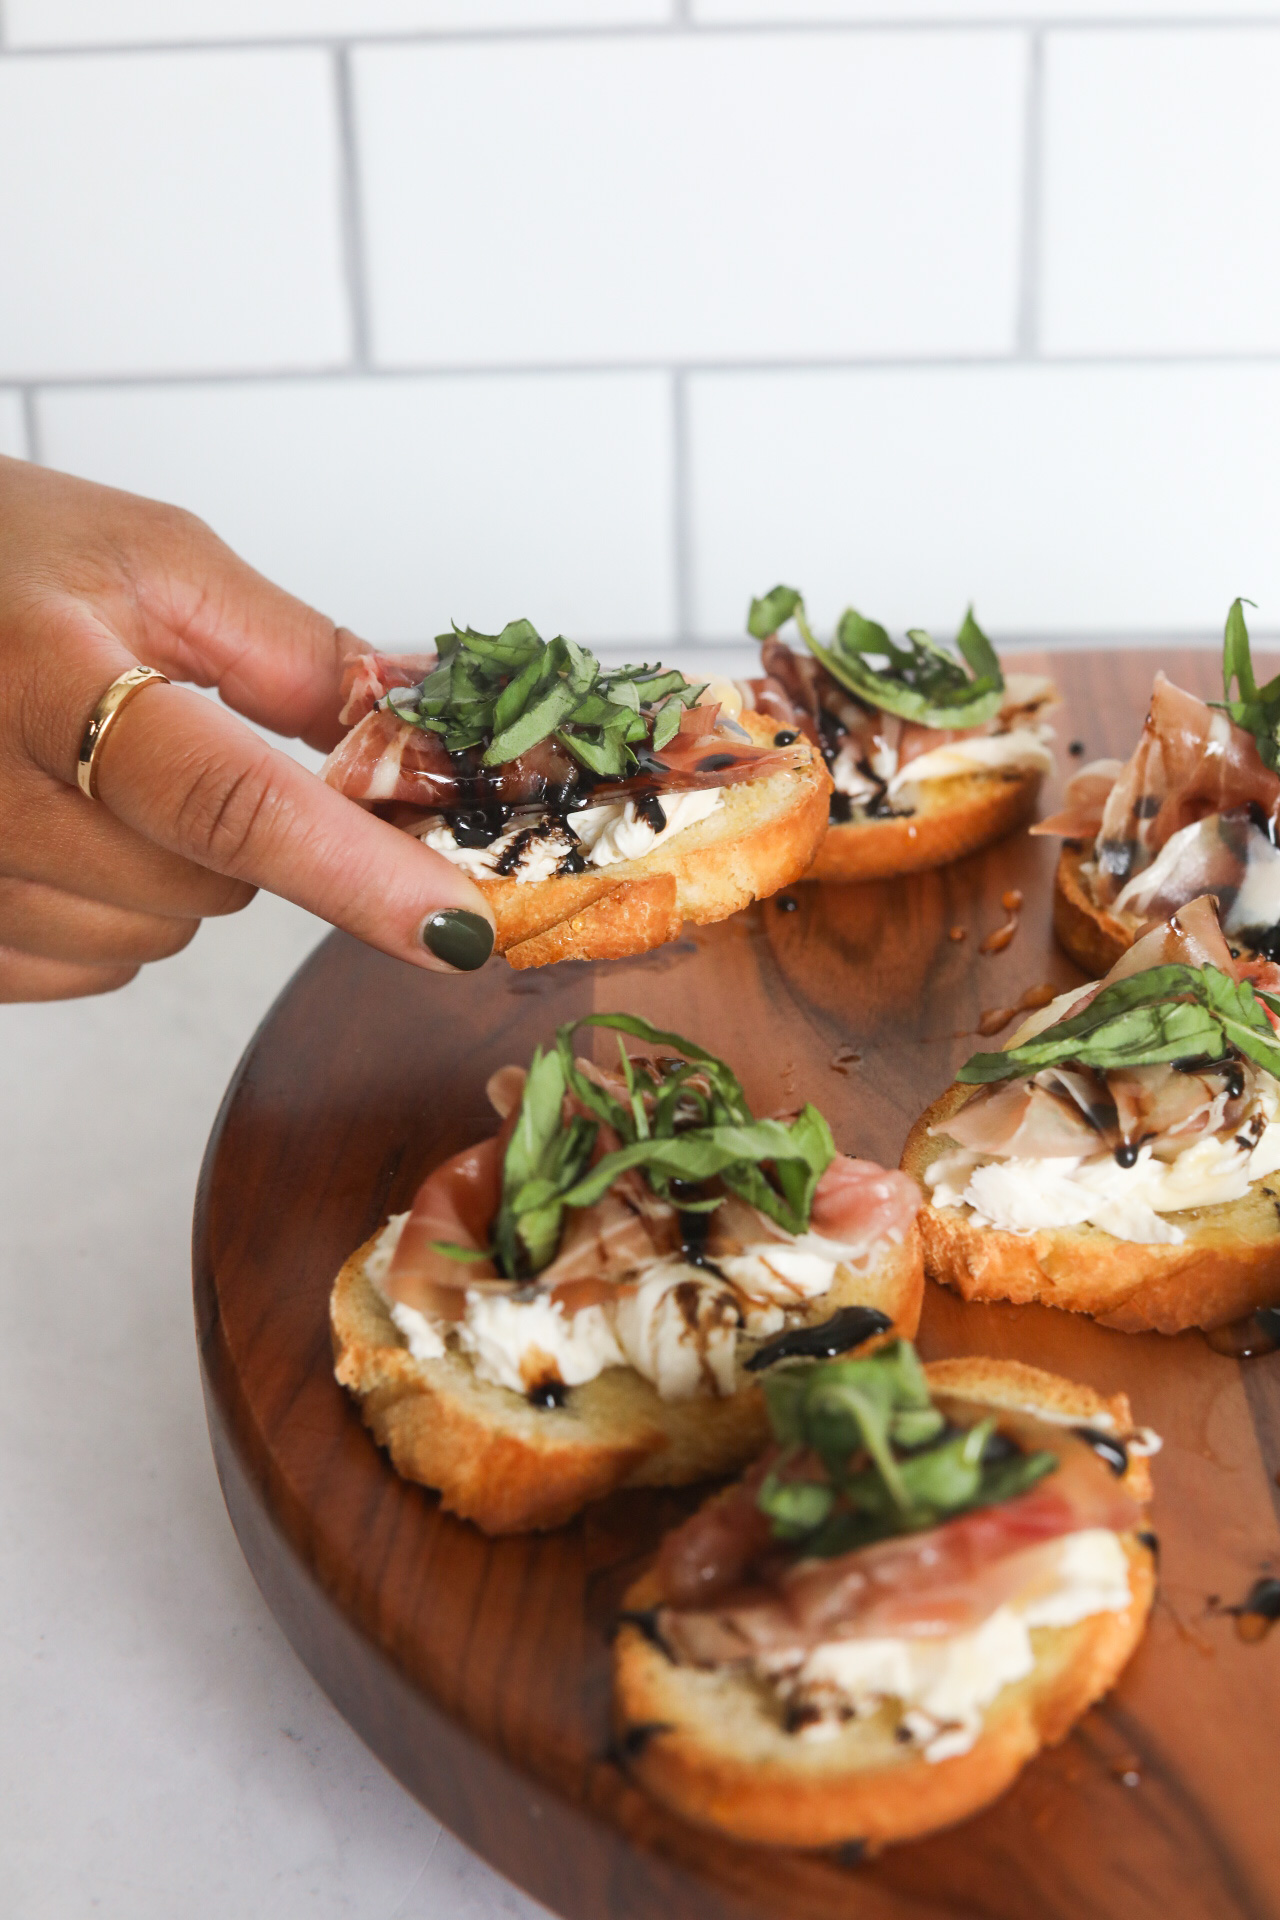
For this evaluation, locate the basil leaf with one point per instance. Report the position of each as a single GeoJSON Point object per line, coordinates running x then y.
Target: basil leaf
{"type": "Point", "coordinates": [541, 719]}
{"type": "Point", "coordinates": [688, 1121]}
{"type": "Point", "coordinates": [922, 681]}
{"type": "Point", "coordinates": [1168, 1013]}
{"type": "Point", "coordinates": [890, 1463]}
{"type": "Point", "coordinates": [452, 1251]}
{"type": "Point", "coordinates": [1255, 708]}
{"type": "Point", "coordinates": [510, 691]}
{"type": "Point", "coordinates": [543, 1159]}
{"type": "Point", "coordinates": [667, 724]}
{"type": "Point", "coordinates": [772, 611]}
{"type": "Point", "coordinates": [695, 1156]}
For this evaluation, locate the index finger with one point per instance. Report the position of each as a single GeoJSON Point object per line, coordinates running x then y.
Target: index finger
{"type": "Point", "coordinates": [190, 777]}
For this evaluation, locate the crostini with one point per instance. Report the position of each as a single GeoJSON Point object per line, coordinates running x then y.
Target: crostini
{"type": "Point", "coordinates": [589, 1299]}
{"type": "Point", "coordinates": [1193, 810]}
{"type": "Point", "coordinates": [931, 756]}
{"type": "Point", "coordinates": [1121, 1156]}
{"type": "Point", "coordinates": [931, 1574]}
{"type": "Point", "coordinates": [596, 809]}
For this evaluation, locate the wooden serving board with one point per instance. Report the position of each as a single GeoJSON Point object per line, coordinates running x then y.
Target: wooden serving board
{"type": "Point", "coordinates": [477, 1670]}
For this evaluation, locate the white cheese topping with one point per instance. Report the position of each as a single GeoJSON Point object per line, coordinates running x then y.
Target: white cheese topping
{"type": "Point", "coordinates": [677, 1325]}
{"type": "Point", "coordinates": [522, 1343]}
{"type": "Point", "coordinates": [1023, 749]}
{"type": "Point", "coordinates": [535, 845]}
{"type": "Point", "coordinates": [942, 1686]}
{"type": "Point", "coordinates": [1198, 853]}
{"type": "Point", "coordinates": [1021, 1196]}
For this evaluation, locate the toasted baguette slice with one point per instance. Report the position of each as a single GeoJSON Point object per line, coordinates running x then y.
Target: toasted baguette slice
{"type": "Point", "coordinates": [953, 817]}
{"type": "Point", "coordinates": [761, 837]}
{"type": "Point", "coordinates": [1094, 937]}
{"type": "Point", "coordinates": [1228, 1265]}
{"type": "Point", "coordinates": [513, 1467]}
{"type": "Point", "coordinates": [712, 1744]}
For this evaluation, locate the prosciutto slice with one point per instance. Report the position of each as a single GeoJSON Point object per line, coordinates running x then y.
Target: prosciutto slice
{"type": "Point", "coordinates": [606, 1246]}
{"type": "Point", "coordinates": [881, 741]}
{"type": "Point", "coordinates": [456, 1204]}
{"type": "Point", "coordinates": [1069, 1111]}
{"type": "Point", "coordinates": [1084, 802]}
{"type": "Point", "coordinates": [731, 1594]}
{"type": "Point", "coordinates": [386, 759]}
{"type": "Point", "coordinates": [1191, 761]}
{"type": "Point", "coordinates": [369, 676]}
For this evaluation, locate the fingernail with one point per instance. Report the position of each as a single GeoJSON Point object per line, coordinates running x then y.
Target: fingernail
{"type": "Point", "coordinates": [461, 939]}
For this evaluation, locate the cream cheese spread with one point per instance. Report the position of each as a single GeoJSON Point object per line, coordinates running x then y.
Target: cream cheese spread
{"type": "Point", "coordinates": [533, 847]}
{"type": "Point", "coordinates": [941, 1687]}
{"type": "Point", "coordinates": [1021, 1196]}
{"type": "Point", "coordinates": [1022, 749]}
{"type": "Point", "coordinates": [677, 1325]}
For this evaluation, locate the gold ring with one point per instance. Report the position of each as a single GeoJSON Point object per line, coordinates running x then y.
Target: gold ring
{"type": "Point", "coordinates": [114, 700]}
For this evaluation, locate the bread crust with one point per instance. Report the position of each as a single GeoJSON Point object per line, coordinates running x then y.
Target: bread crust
{"type": "Point", "coordinates": [511, 1467]}
{"type": "Point", "coordinates": [954, 818]}
{"type": "Point", "coordinates": [715, 1749]}
{"type": "Point", "coordinates": [1228, 1265]}
{"type": "Point", "coordinates": [762, 836]}
{"type": "Point", "coordinates": [1094, 938]}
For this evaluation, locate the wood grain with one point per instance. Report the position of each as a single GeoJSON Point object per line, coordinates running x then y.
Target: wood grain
{"type": "Point", "coordinates": [478, 1670]}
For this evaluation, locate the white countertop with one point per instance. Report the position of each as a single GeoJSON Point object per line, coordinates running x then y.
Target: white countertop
{"type": "Point", "coordinates": [162, 1751]}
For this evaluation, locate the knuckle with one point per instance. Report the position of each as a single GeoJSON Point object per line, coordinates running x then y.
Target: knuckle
{"type": "Point", "coordinates": [163, 939]}
{"type": "Point", "coordinates": [226, 810]}
{"type": "Point", "coordinates": [180, 524]}
{"type": "Point", "coordinates": [227, 896]}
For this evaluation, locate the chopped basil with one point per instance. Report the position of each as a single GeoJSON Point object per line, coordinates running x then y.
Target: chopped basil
{"type": "Point", "coordinates": [889, 1462]}
{"type": "Point", "coordinates": [509, 691]}
{"type": "Point", "coordinates": [683, 1120]}
{"type": "Point", "coordinates": [1166, 1014]}
{"type": "Point", "coordinates": [921, 681]}
{"type": "Point", "coordinates": [1255, 708]}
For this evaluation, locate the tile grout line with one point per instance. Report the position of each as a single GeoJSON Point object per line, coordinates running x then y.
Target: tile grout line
{"type": "Point", "coordinates": [680, 23]}
{"type": "Point", "coordinates": [48, 381]}
{"type": "Point", "coordinates": [681, 531]}
{"type": "Point", "coordinates": [31, 425]}
{"type": "Point", "coordinates": [351, 211]}
{"type": "Point", "coordinates": [1027, 335]}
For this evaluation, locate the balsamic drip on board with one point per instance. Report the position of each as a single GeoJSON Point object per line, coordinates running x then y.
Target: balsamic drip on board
{"type": "Point", "coordinates": [1247, 1339]}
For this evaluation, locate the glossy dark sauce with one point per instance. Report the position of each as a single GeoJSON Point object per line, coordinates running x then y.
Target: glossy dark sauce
{"type": "Point", "coordinates": [549, 1393]}
{"type": "Point", "coordinates": [1107, 1447]}
{"type": "Point", "coordinates": [1258, 1612]}
{"type": "Point", "coordinates": [845, 1330]}
{"type": "Point", "coordinates": [1248, 1339]}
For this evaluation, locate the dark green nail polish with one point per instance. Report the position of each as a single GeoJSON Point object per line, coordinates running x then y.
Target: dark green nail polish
{"type": "Point", "coordinates": [461, 939]}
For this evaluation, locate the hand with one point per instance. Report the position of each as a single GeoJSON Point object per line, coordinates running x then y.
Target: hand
{"type": "Point", "coordinates": [194, 810]}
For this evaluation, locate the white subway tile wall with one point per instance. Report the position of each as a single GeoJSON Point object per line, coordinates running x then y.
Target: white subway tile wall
{"type": "Point", "coordinates": [77, 23]}
{"type": "Point", "coordinates": [613, 312]}
{"type": "Point", "coordinates": [1021, 488]}
{"type": "Point", "coordinates": [170, 211]}
{"type": "Point", "coordinates": [13, 435]}
{"type": "Point", "coordinates": [399, 505]}
{"type": "Point", "coordinates": [630, 199]}
{"type": "Point", "coordinates": [794, 13]}
{"type": "Point", "coordinates": [1184, 259]}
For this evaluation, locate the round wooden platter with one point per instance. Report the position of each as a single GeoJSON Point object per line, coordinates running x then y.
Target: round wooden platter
{"type": "Point", "coordinates": [478, 1670]}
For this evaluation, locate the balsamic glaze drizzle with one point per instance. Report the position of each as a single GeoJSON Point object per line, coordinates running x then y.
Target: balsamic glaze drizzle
{"type": "Point", "coordinates": [846, 1329]}
{"type": "Point", "coordinates": [631, 1743]}
{"type": "Point", "coordinates": [1107, 1447]}
{"type": "Point", "coordinates": [549, 1393]}
{"type": "Point", "coordinates": [645, 1622]}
